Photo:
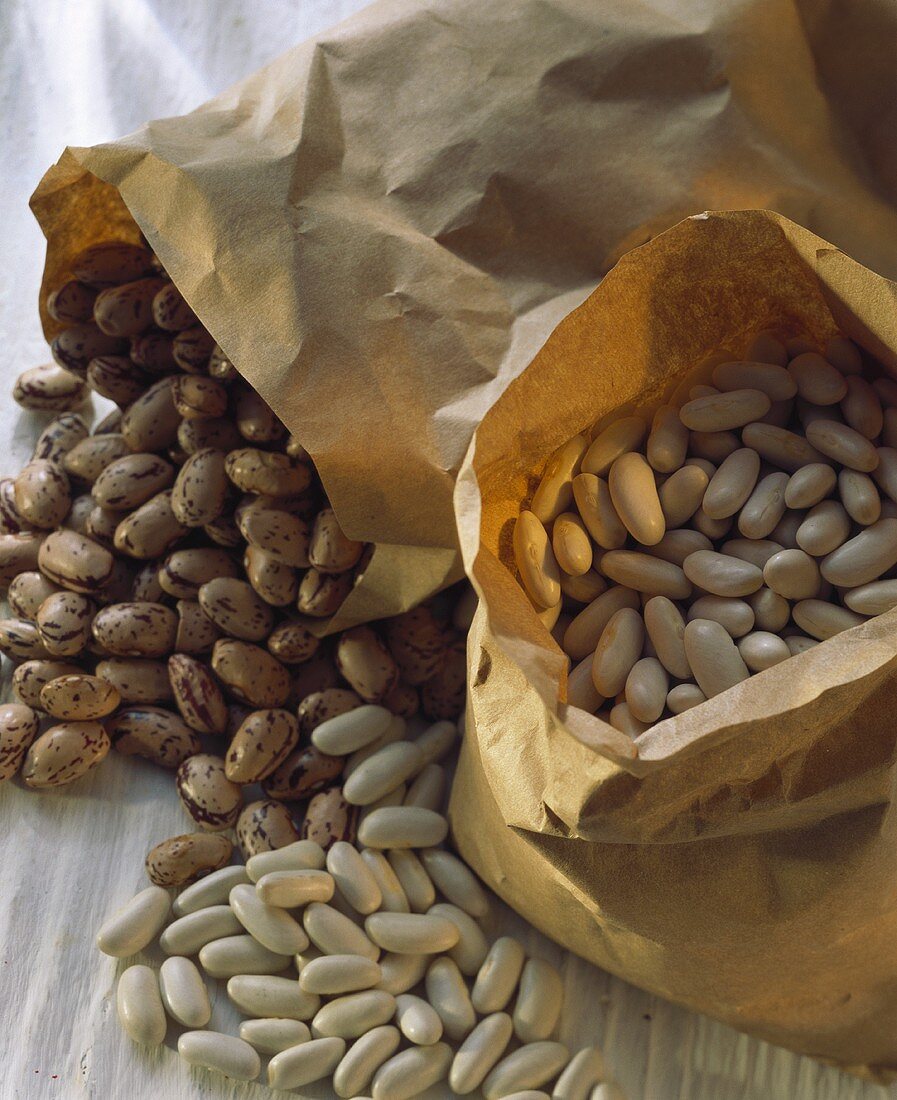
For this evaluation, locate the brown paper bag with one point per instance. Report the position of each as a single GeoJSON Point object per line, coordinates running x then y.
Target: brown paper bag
{"type": "Point", "coordinates": [740, 858]}
{"type": "Point", "coordinates": [381, 227]}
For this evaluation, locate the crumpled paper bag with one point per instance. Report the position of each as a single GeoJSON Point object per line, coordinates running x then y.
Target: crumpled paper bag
{"type": "Point", "coordinates": [740, 858]}
{"type": "Point", "coordinates": [381, 227]}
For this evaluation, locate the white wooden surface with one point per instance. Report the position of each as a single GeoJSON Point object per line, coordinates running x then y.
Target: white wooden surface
{"type": "Point", "coordinates": [78, 72]}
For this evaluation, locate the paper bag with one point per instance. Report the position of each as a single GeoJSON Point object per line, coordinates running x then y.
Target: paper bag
{"type": "Point", "coordinates": [738, 858]}
{"type": "Point", "coordinates": [381, 227]}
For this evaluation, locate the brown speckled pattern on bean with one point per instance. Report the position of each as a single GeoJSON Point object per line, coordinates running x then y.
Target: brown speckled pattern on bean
{"type": "Point", "coordinates": [151, 423]}
{"type": "Point", "coordinates": [116, 378]}
{"type": "Point", "coordinates": [28, 591]}
{"type": "Point", "coordinates": [111, 262]}
{"type": "Point", "coordinates": [199, 398]}
{"type": "Point", "coordinates": [79, 698]}
{"type": "Point", "coordinates": [127, 309]}
{"type": "Point", "coordinates": [206, 793]}
{"type": "Point", "coordinates": [256, 420]}
{"type": "Point", "coordinates": [305, 772]}
{"type": "Point", "coordinates": [131, 481]}
{"type": "Point", "coordinates": [42, 494]}
{"type": "Point", "coordinates": [318, 706]}
{"type": "Point", "coordinates": [275, 582]}
{"type": "Point", "coordinates": [136, 629]}
{"type": "Point", "coordinates": [64, 753]}
{"type": "Point", "coordinates": [330, 818]}
{"type": "Point", "coordinates": [268, 472]}
{"type": "Point", "coordinates": [49, 388]}
{"type": "Point", "coordinates": [75, 561]}
{"type": "Point", "coordinates": [250, 673]}
{"type": "Point", "coordinates": [59, 436]}
{"type": "Point", "coordinates": [321, 595]}
{"type": "Point", "coordinates": [150, 530]}
{"type": "Point", "coordinates": [87, 459]}
{"type": "Point", "coordinates": [183, 859]}
{"type": "Point", "coordinates": [63, 620]}
{"type": "Point", "coordinates": [263, 741]}
{"type": "Point", "coordinates": [366, 663]}
{"type": "Point", "coordinates": [443, 695]}
{"type": "Point", "coordinates": [265, 827]}
{"type": "Point", "coordinates": [292, 643]}
{"type": "Point", "coordinates": [137, 680]}
{"type": "Point", "coordinates": [18, 728]}
{"type": "Point", "coordinates": [236, 609]}
{"type": "Point", "coordinates": [200, 491]}
{"type": "Point", "coordinates": [330, 550]}
{"type": "Point", "coordinates": [417, 642]}
{"type": "Point", "coordinates": [197, 694]}
{"type": "Point", "coordinates": [154, 734]}
{"type": "Point", "coordinates": [283, 535]}
{"type": "Point", "coordinates": [20, 640]}
{"type": "Point", "coordinates": [196, 633]}
{"type": "Point", "coordinates": [75, 346]}
{"type": "Point", "coordinates": [184, 572]}
{"type": "Point", "coordinates": [192, 348]}
{"type": "Point", "coordinates": [29, 678]}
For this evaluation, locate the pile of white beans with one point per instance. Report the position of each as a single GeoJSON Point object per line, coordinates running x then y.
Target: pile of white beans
{"type": "Point", "coordinates": [366, 964]}
{"type": "Point", "coordinates": [751, 517]}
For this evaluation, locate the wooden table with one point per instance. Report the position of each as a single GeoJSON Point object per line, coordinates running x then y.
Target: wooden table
{"type": "Point", "coordinates": [89, 72]}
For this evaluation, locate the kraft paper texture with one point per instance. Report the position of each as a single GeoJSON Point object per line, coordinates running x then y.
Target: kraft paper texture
{"type": "Point", "coordinates": [740, 857]}
{"type": "Point", "coordinates": [381, 227]}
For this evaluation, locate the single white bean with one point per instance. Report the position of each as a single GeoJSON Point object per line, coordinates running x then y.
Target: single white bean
{"type": "Point", "coordinates": [362, 1060]}
{"type": "Point", "coordinates": [274, 1035]}
{"type": "Point", "coordinates": [681, 495]}
{"type": "Point", "coordinates": [859, 497]}
{"type": "Point", "coordinates": [354, 878]}
{"type": "Point", "coordinates": [633, 491]}
{"type": "Point", "coordinates": [539, 1001]}
{"type": "Point", "coordinates": [764, 507]}
{"type": "Point", "coordinates": [307, 1062]}
{"type": "Point", "coordinates": [352, 730]}
{"type": "Point", "coordinates": [571, 544]}
{"type": "Point", "coordinates": [418, 1021]}
{"type": "Point", "coordinates": [415, 882]}
{"type": "Point", "coordinates": [471, 948]}
{"type": "Point", "coordinates": [585, 1070]}
{"type": "Point", "coordinates": [392, 896]}
{"type": "Point", "coordinates": [863, 558]}
{"type": "Point", "coordinates": [665, 627]}
{"type": "Point", "coordinates": [685, 696]}
{"type": "Point", "coordinates": [597, 511]}
{"type": "Point", "coordinates": [233, 955]}
{"type": "Point", "coordinates": [555, 491]}
{"type": "Point", "coordinates": [539, 571]}
{"type": "Point", "coordinates": [816, 379]}
{"type": "Point", "coordinates": [479, 1052]}
{"type": "Point", "coordinates": [771, 379]}
{"type": "Point", "coordinates": [399, 973]}
{"type": "Point", "coordinates": [290, 889]}
{"type": "Point", "coordinates": [223, 1053]}
{"type": "Point", "coordinates": [809, 485]}
{"type": "Point", "coordinates": [621, 436]}
{"type": "Point", "coordinates": [725, 410]}
{"type": "Point", "coordinates": [822, 620]}
{"type": "Point", "coordinates": [843, 444]}
{"type": "Point", "coordinates": [353, 1014]}
{"type": "Point", "coordinates": [737, 616]}
{"type": "Point", "coordinates": [336, 974]}
{"type": "Point", "coordinates": [140, 1009]}
{"type": "Point", "coordinates": [646, 689]}
{"type": "Point", "coordinates": [299, 856]}
{"type": "Point", "coordinates": [792, 574]}
{"type": "Point", "coordinates": [781, 447]}
{"type": "Point", "coordinates": [716, 663]}
{"type": "Point", "coordinates": [872, 599]}
{"type": "Point", "coordinates": [412, 933]}
{"type": "Point", "coordinates": [584, 631]}
{"type": "Point", "coordinates": [618, 649]}
{"type": "Point", "coordinates": [498, 976]}
{"type": "Point", "coordinates": [334, 934]}
{"type": "Point", "coordinates": [428, 789]}
{"type": "Point", "coordinates": [447, 993]}
{"type": "Point", "coordinates": [455, 880]}
{"type": "Point", "coordinates": [214, 889]}
{"type": "Point", "coordinates": [527, 1068]}
{"type": "Point", "coordinates": [411, 1072]}
{"type": "Point", "coordinates": [732, 484]}
{"type": "Point", "coordinates": [272, 926]}
{"type": "Point", "coordinates": [136, 924]}
{"type": "Point", "coordinates": [402, 827]}
{"type": "Point", "coordinates": [184, 992]}
{"type": "Point", "coordinates": [646, 573]}
{"type": "Point", "coordinates": [761, 650]}
{"type": "Point", "coordinates": [265, 996]}
{"type": "Point", "coordinates": [756, 551]}
{"type": "Point", "coordinates": [722, 575]}
{"type": "Point", "coordinates": [825, 527]}
{"type": "Point", "coordinates": [771, 611]}
{"type": "Point", "coordinates": [862, 408]}
{"type": "Point", "coordinates": [189, 933]}
{"type": "Point", "coordinates": [382, 773]}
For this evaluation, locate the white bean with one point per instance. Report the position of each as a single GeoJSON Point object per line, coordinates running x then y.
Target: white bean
{"type": "Point", "coordinates": [646, 689]}
{"type": "Point", "coordinates": [184, 992]}
{"type": "Point", "coordinates": [392, 896]}
{"type": "Point", "coordinates": [265, 996]}
{"type": "Point", "coordinates": [527, 1068]}
{"type": "Point", "coordinates": [725, 410]}
{"type": "Point", "coordinates": [681, 495]}
{"type": "Point", "coordinates": [716, 663]}
{"type": "Point", "coordinates": [353, 1014]}
{"type": "Point", "coordinates": [416, 884]}
{"type": "Point", "coordinates": [809, 485]}
{"type": "Point", "coordinates": [863, 558]}
{"type": "Point", "coordinates": [402, 827]}
{"type": "Point", "coordinates": [354, 878]}
{"type": "Point", "coordinates": [872, 599]}
{"type": "Point", "coordinates": [623, 435]}
{"type": "Point", "coordinates": [456, 881]}
{"type": "Point", "coordinates": [140, 1009]}
{"type": "Point", "coordinates": [732, 484]}
{"type": "Point", "coordinates": [335, 934]}
{"type": "Point", "coordinates": [479, 1052]}
{"type": "Point", "coordinates": [136, 924]}
{"type": "Point", "coordinates": [274, 1035]}
{"type": "Point", "coordinates": [471, 948]}
{"type": "Point", "coordinates": [214, 889]}
{"type": "Point", "coordinates": [618, 649]}
{"type": "Point", "coordinates": [596, 508]}
{"type": "Point", "coordinates": [399, 973]}
{"type": "Point", "coordinates": [581, 636]}
{"type": "Point", "coordinates": [334, 974]}
{"type": "Point", "coordinates": [539, 1001]}
{"type": "Point", "coordinates": [417, 1020]}
{"type": "Point", "coordinates": [498, 976]}
{"type": "Point", "coordinates": [816, 379]}
{"type": "Point", "coordinates": [737, 616]}
{"type": "Point", "coordinates": [272, 926]}
{"type": "Point", "coordinates": [189, 933]}
{"type": "Point", "coordinates": [585, 1070]}
{"type": "Point", "coordinates": [555, 491]}
{"type": "Point", "coordinates": [645, 573]}
{"type": "Point", "coordinates": [843, 444]}
{"type": "Point", "coordinates": [363, 1059]}
{"type": "Point", "coordinates": [771, 379]}
{"type": "Point", "coordinates": [859, 497]}
{"type": "Point", "coordinates": [823, 529]}
{"type": "Point", "coordinates": [412, 933]}
{"type": "Point", "coordinates": [535, 559]}
{"type": "Point", "coordinates": [792, 574]}
{"type": "Point", "coordinates": [685, 696]}
{"type": "Point", "coordinates": [240, 955]}
{"type": "Point", "coordinates": [761, 650]}
{"type": "Point", "coordinates": [447, 993]}
{"type": "Point", "coordinates": [300, 1065]}
{"type": "Point", "coordinates": [722, 575]}
{"type": "Point", "coordinates": [823, 620]}
{"type": "Point", "coordinates": [764, 507]}
{"type": "Point", "coordinates": [223, 1053]}
{"type": "Point", "coordinates": [290, 889]}
{"type": "Point", "coordinates": [411, 1072]}
{"type": "Point", "coordinates": [352, 730]}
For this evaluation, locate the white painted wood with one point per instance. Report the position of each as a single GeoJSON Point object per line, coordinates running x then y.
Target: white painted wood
{"type": "Point", "coordinates": [77, 72]}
